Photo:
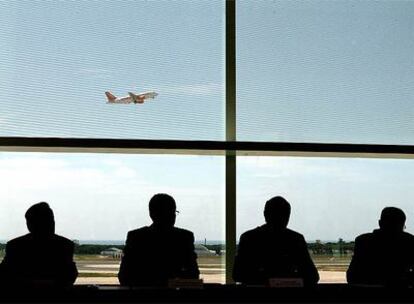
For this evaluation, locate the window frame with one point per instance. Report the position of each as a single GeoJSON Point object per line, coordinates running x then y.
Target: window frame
{"type": "Point", "coordinates": [230, 149]}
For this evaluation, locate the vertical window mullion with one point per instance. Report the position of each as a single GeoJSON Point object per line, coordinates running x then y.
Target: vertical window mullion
{"type": "Point", "coordinates": [230, 136]}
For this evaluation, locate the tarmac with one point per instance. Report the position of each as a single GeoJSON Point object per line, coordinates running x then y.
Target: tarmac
{"type": "Point", "coordinates": [327, 277]}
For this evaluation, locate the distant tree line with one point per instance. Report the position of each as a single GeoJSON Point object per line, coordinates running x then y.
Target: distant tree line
{"type": "Point", "coordinates": [94, 249]}
{"type": "Point", "coordinates": [217, 248]}
{"type": "Point", "coordinates": [341, 247]}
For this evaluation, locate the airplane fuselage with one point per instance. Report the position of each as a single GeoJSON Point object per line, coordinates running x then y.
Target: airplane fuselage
{"type": "Point", "coordinates": [125, 99]}
{"type": "Point", "coordinates": [133, 98]}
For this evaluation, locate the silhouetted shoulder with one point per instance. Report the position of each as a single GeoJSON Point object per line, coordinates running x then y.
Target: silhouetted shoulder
{"type": "Point", "coordinates": [410, 240]}
{"type": "Point", "coordinates": [147, 229]}
{"type": "Point", "coordinates": [184, 233]}
{"type": "Point", "coordinates": [364, 237]}
{"type": "Point", "coordinates": [29, 237]}
{"type": "Point", "coordinates": [263, 230]}
{"type": "Point", "coordinates": [374, 236]}
{"type": "Point", "coordinates": [148, 232]}
{"type": "Point", "coordinates": [408, 236]}
{"type": "Point", "coordinates": [138, 232]}
{"type": "Point", "coordinates": [294, 235]}
{"type": "Point", "coordinates": [19, 240]}
{"type": "Point", "coordinates": [252, 234]}
{"type": "Point", "coordinates": [363, 241]}
{"type": "Point", "coordinates": [20, 246]}
{"type": "Point", "coordinates": [64, 242]}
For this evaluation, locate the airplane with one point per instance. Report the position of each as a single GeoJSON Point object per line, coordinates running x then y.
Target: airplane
{"type": "Point", "coordinates": [131, 98]}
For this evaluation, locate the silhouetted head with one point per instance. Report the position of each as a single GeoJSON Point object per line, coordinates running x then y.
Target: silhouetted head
{"type": "Point", "coordinates": [277, 212]}
{"type": "Point", "coordinates": [392, 219]}
{"type": "Point", "coordinates": [40, 219]}
{"type": "Point", "coordinates": [162, 210]}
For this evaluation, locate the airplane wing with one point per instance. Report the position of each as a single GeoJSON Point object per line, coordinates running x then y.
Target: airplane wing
{"type": "Point", "coordinates": [121, 101]}
{"type": "Point", "coordinates": [148, 95]}
{"type": "Point", "coordinates": [136, 98]}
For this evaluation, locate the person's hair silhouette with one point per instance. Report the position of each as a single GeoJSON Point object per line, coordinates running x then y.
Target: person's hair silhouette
{"type": "Point", "coordinates": [277, 212]}
{"type": "Point", "coordinates": [40, 258]}
{"type": "Point", "coordinates": [385, 256]}
{"type": "Point", "coordinates": [162, 209]}
{"type": "Point", "coordinates": [147, 260]}
{"type": "Point", "coordinates": [392, 219]}
{"type": "Point", "coordinates": [40, 220]}
{"type": "Point", "coordinates": [273, 251]}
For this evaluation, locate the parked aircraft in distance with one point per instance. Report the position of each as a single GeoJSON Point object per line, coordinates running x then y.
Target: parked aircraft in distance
{"type": "Point", "coordinates": [131, 98]}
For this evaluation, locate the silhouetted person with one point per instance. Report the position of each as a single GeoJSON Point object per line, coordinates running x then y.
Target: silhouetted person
{"type": "Point", "coordinates": [273, 251]}
{"type": "Point", "coordinates": [40, 258]}
{"type": "Point", "coordinates": [385, 256]}
{"type": "Point", "coordinates": [153, 254]}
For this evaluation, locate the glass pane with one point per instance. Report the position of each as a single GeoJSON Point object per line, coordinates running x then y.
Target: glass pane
{"type": "Point", "coordinates": [57, 60]}
{"type": "Point", "coordinates": [325, 71]}
{"type": "Point", "coordinates": [333, 200]}
{"type": "Point", "coordinates": [98, 198]}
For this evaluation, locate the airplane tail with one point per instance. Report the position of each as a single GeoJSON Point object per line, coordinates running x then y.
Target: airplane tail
{"type": "Point", "coordinates": [110, 96]}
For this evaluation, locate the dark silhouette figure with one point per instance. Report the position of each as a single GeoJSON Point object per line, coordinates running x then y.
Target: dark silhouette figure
{"type": "Point", "coordinates": [385, 256]}
{"type": "Point", "coordinates": [273, 251]}
{"type": "Point", "coordinates": [153, 254]}
{"type": "Point", "coordinates": [40, 258]}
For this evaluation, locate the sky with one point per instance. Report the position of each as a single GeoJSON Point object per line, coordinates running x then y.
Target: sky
{"type": "Point", "coordinates": [326, 71]}
{"type": "Point", "coordinates": [103, 196]}
{"type": "Point", "coordinates": [331, 198]}
{"type": "Point", "coordinates": [307, 71]}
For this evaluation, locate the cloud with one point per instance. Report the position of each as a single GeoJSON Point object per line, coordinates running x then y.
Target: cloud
{"type": "Point", "coordinates": [105, 195]}
{"type": "Point", "coordinates": [320, 168]}
{"type": "Point", "coordinates": [75, 189]}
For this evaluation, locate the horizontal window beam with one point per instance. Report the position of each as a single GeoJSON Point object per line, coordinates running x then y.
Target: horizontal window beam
{"type": "Point", "coordinates": [202, 147]}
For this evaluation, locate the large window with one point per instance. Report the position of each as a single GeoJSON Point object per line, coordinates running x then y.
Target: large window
{"type": "Point", "coordinates": [58, 58]}
{"type": "Point", "coordinates": [325, 71]}
{"type": "Point", "coordinates": [98, 198]}
{"type": "Point", "coordinates": [333, 200]}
